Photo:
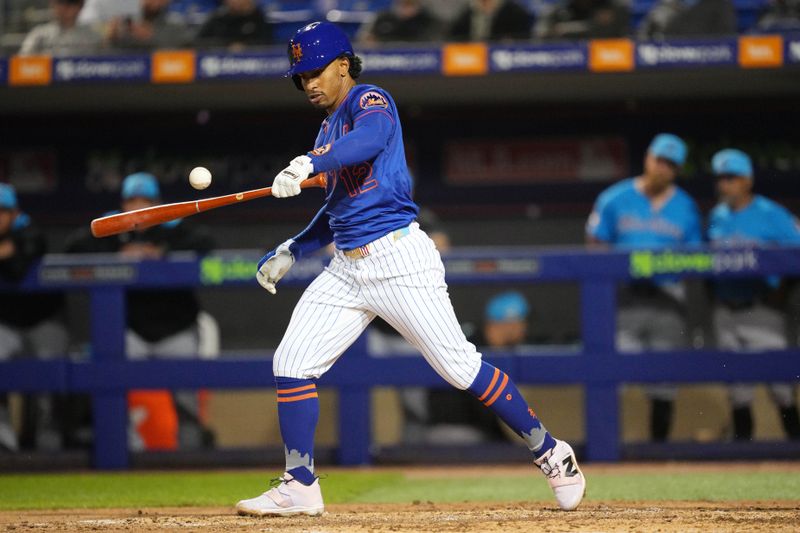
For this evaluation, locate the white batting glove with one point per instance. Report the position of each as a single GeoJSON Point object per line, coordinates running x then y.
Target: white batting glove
{"type": "Point", "coordinates": [274, 266]}
{"type": "Point", "coordinates": [287, 182]}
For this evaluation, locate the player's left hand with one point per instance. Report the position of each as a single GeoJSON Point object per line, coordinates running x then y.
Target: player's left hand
{"type": "Point", "coordinates": [287, 182]}
{"type": "Point", "coordinates": [274, 265]}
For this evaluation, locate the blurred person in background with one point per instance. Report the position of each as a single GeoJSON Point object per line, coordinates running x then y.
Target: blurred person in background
{"type": "Point", "coordinates": [97, 13]}
{"type": "Point", "coordinates": [152, 28]}
{"type": "Point", "coordinates": [64, 35]}
{"type": "Point", "coordinates": [236, 25]}
{"type": "Point", "coordinates": [455, 417]}
{"type": "Point", "coordinates": [406, 21]}
{"type": "Point", "coordinates": [780, 16]}
{"type": "Point", "coordinates": [650, 212]}
{"type": "Point", "coordinates": [688, 18]}
{"type": "Point", "coordinates": [29, 322]}
{"type": "Point", "coordinates": [446, 10]}
{"type": "Point", "coordinates": [492, 20]}
{"type": "Point", "coordinates": [443, 416]}
{"type": "Point", "coordinates": [749, 313]}
{"type": "Point", "coordinates": [161, 322]}
{"type": "Point", "coordinates": [584, 19]}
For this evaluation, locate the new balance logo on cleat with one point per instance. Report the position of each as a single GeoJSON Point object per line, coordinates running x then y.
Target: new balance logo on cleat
{"type": "Point", "coordinates": [571, 470]}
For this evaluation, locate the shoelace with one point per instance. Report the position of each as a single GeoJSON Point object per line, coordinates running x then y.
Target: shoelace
{"type": "Point", "coordinates": [550, 470]}
{"type": "Point", "coordinates": [277, 481]}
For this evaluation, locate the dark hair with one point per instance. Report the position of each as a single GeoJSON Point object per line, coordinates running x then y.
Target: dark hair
{"type": "Point", "coordinates": [355, 66]}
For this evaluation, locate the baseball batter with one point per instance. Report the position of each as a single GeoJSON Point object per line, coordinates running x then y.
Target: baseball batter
{"type": "Point", "coordinates": [650, 211]}
{"type": "Point", "coordinates": [384, 265]}
{"type": "Point", "coordinates": [746, 314]}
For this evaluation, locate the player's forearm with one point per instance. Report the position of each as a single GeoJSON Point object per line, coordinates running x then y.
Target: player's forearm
{"type": "Point", "coordinates": [364, 143]}
{"type": "Point", "coordinates": [315, 236]}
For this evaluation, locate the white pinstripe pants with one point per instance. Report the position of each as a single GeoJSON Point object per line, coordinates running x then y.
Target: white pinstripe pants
{"type": "Point", "coordinates": [402, 281]}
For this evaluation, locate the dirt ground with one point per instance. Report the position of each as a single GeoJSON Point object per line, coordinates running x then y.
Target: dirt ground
{"type": "Point", "coordinates": [593, 515]}
{"type": "Point", "coordinates": [472, 517]}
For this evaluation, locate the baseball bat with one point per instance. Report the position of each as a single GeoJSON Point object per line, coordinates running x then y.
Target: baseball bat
{"type": "Point", "coordinates": [158, 214]}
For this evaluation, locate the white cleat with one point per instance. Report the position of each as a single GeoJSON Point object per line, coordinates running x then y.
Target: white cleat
{"type": "Point", "coordinates": [289, 497]}
{"type": "Point", "coordinates": [563, 475]}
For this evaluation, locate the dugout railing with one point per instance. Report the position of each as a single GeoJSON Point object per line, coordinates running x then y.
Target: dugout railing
{"type": "Point", "coordinates": [596, 365]}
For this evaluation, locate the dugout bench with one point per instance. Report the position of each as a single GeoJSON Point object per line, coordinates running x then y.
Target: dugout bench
{"type": "Point", "coordinates": [596, 365]}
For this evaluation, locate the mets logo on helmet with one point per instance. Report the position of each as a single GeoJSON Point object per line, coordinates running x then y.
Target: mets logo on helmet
{"type": "Point", "coordinates": [373, 99]}
{"type": "Point", "coordinates": [297, 52]}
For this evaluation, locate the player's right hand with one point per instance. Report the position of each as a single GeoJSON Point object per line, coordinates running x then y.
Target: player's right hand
{"type": "Point", "coordinates": [274, 265]}
{"type": "Point", "coordinates": [287, 182]}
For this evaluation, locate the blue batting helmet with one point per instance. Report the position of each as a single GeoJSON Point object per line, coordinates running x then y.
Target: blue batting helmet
{"type": "Point", "coordinates": [314, 46]}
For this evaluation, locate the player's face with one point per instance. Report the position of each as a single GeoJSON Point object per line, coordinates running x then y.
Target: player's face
{"type": "Point", "coordinates": [327, 87]}
{"type": "Point", "coordinates": [66, 13]}
{"type": "Point", "coordinates": [6, 219]}
{"type": "Point", "coordinates": [505, 334]}
{"type": "Point", "coordinates": [132, 204]}
{"type": "Point", "coordinates": [659, 172]}
{"type": "Point", "coordinates": [733, 189]}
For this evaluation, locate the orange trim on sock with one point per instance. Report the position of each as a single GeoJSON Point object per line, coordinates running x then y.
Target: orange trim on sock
{"type": "Point", "coordinates": [298, 398]}
{"type": "Point", "coordinates": [489, 388]}
{"type": "Point", "coordinates": [296, 389]}
{"type": "Point", "coordinates": [498, 391]}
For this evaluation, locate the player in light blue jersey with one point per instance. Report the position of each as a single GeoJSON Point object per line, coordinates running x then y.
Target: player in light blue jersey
{"type": "Point", "coordinates": [748, 313]}
{"type": "Point", "coordinates": [650, 211]}
{"type": "Point", "coordinates": [384, 265]}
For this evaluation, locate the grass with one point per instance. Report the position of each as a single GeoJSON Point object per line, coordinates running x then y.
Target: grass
{"type": "Point", "coordinates": [105, 490]}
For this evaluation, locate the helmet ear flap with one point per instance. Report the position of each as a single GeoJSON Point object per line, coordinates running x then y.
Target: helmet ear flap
{"type": "Point", "coordinates": [297, 82]}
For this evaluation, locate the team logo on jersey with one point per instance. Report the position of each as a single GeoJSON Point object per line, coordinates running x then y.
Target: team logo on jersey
{"type": "Point", "coordinates": [321, 150]}
{"type": "Point", "coordinates": [373, 99]}
{"type": "Point", "coordinates": [297, 52]}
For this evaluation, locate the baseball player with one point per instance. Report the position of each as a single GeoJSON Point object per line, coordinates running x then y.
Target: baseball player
{"type": "Point", "coordinates": [383, 265]}
{"type": "Point", "coordinates": [746, 311]}
{"type": "Point", "coordinates": [29, 322]}
{"type": "Point", "coordinates": [650, 211]}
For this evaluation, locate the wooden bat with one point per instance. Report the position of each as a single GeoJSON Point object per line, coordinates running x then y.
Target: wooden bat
{"type": "Point", "coordinates": [158, 214]}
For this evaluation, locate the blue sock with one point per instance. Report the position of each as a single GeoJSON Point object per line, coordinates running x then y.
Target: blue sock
{"type": "Point", "coordinates": [497, 392]}
{"type": "Point", "coordinates": [298, 412]}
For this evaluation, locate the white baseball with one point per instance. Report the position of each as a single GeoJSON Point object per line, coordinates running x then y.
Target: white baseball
{"type": "Point", "coordinates": [200, 178]}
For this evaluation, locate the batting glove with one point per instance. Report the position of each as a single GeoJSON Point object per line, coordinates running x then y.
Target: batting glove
{"type": "Point", "coordinates": [274, 266]}
{"type": "Point", "coordinates": [287, 182]}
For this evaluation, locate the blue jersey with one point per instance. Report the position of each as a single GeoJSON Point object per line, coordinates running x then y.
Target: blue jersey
{"type": "Point", "coordinates": [360, 146]}
{"type": "Point", "coordinates": [762, 222]}
{"type": "Point", "coordinates": [624, 217]}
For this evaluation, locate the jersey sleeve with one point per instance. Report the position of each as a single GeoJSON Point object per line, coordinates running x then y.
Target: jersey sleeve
{"type": "Point", "coordinates": [601, 221]}
{"type": "Point", "coordinates": [316, 235]}
{"type": "Point", "coordinates": [786, 228]}
{"type": "Point", "coordinates": [373, 124]}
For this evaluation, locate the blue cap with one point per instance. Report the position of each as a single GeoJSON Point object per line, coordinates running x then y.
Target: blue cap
{"type": "Point", "coordinates": [669, 147]}
{"type": "Point", "coordinates": [507, 306]}
{"type": "Point", "coordinates": [732, 162]}
{"type": "Point", "coordinates": [140, 185]}
{"type": "Point", "coordinates": [315, 45]}
{"type": "Point", "coordinates": [8, 197]}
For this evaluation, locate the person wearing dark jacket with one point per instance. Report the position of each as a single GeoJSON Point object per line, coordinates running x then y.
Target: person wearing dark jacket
{"type": "Point", "coordinates": [160, 322]}
{"type": "Point", "coordinates": [239, 23]}
{"type": "Point", "coordinates": [29, 322]}
{"type": "Point", "coordinates": [688, 18]}
{"type": "Point", "coordinates": [492, 20]}
{"type": "Point", "coordinates": [584, 19]}
{"type": "Point", "coordinates": [406, 21]}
